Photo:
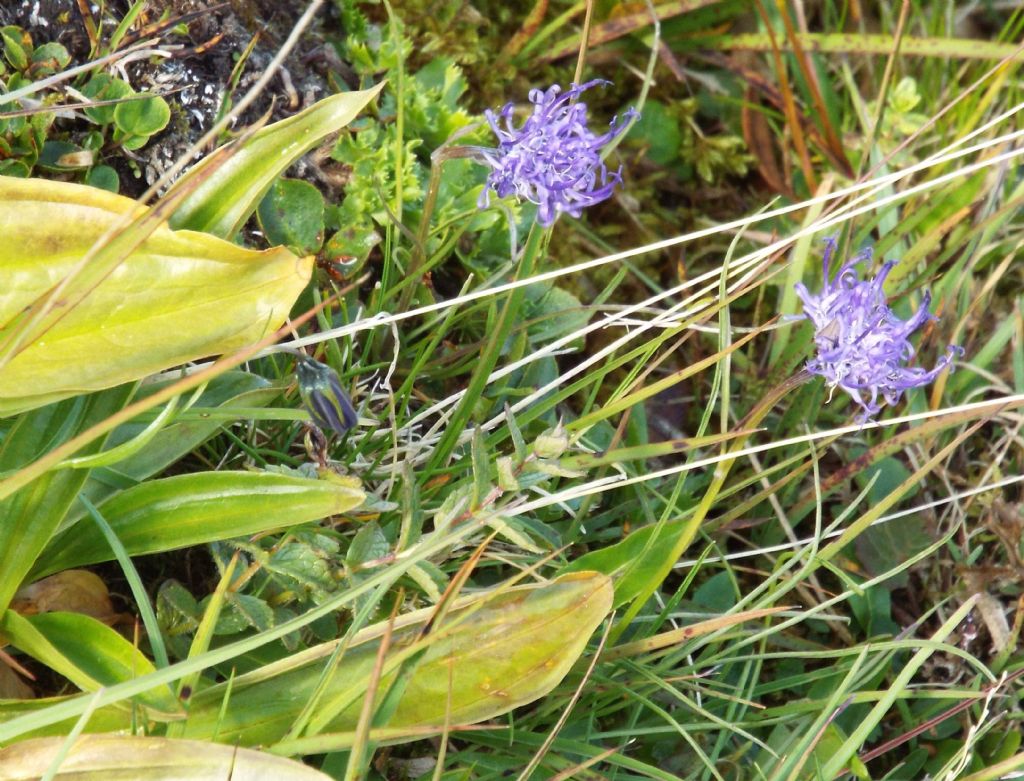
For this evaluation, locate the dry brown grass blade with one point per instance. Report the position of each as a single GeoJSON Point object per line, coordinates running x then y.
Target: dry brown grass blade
{"type": "Point", "coordinates": [451, 593]}
{"type": "Point", "coordinates": [789, 105]}
{"type": "Point", "coordinates": [624, 25]}
{"type": "Point", "coordinates": [55, 107]}
{"type": "Point", "coordinates": [525, 32]}
{"type": "Point", "coordinates": [761, 143]}
{"type": "Point", "coordinates": [831, 139]}
{"type": "Point", "coordinates": [573, 772]}
{"type": "Point", "coordinates": [920, 729]}
{"type": "Point", "coordinates": [361, 739]}
{"type": "Point", "coordinates": [676, 636]}
{"type": "Point", "coordinates": [159, 27]}
{"type": "Point", "coordinates": [767, 89]}
{"type": "Point", "coordinates": [89, 23]}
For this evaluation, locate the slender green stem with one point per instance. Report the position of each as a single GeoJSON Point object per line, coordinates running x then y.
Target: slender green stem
{"type": "Point", "coordinates": [156, 639]}
{"type": "Point", "coordinates": [689, 531]}
{"type": "Point", "coordinates": [419, 250]}
{"type": "Point", "coordinates": [492, 349]}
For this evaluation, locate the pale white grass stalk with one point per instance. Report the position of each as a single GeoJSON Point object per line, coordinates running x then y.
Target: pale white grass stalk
{"type": "Point", "coordinates": [595, 358]}
{"type": "Point", "coordinates": [384, 318]}
{"type": "Point", "coordinates": [966, 751]}
{"type": "Point", "coordinates": [667, 318]}
{"type": "Point", "coordinates": [599, 486]}
{"type": "Point", "coordinates": [834, 533]}
{"type": "Point", "coordinates": [745, 262]}
{"type": "Point", "coordinates": [773, 500]}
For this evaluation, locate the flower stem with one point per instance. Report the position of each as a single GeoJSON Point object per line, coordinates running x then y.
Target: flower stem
{"type": "Point", "coordinates": [491, 351]}
{"type": "Point", "coordinates": [419, 250]}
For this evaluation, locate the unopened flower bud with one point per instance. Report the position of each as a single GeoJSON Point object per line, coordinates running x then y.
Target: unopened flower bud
{"type": "Point", "coordinates": [325, 400]}
{"type": "Point", "coordinates": [552, 443]}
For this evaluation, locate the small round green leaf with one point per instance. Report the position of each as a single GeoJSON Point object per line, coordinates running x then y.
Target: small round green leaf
{"type": "Point", "coordinates": [104, 177]}
{"type": "Point", "coordinates": [104, 87]}
{"type": "Point", "coordinates": [658, 130]}
{"type": "Point", "coordinates": [292, 214]}
{"type": "Point", "coordinates": [48, 59]}
{"type": "Point", "coordinates": [14, 168]}
{"type": "Point", "coordinates": [142, 117]}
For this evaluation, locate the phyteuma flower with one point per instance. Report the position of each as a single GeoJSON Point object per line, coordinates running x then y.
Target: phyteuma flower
{"type": "Point", "coordinates": [862, 344]}
{"type": "Point", "coordinates": [554, 159]}
{"type": "Point", "coordinates": [322, 395]}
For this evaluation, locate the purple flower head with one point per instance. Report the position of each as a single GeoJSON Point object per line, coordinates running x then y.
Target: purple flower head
{"type": "Point", "coordinates": [862, 344]}
{"type": "Point", "coordinates": [554, 159]}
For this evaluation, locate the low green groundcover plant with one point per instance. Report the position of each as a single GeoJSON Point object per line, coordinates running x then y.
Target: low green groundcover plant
{"type": "Point", "coordinates": [403, 437]}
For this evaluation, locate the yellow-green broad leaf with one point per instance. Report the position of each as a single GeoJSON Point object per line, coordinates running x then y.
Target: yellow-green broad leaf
{"type": "Point", "coordinates": [492, 653]}
{"type": "Point", "coordinates": [130, 758]}
{"type": "Point", "coordinates": [228, 196]}
{"type": "Point", "coordinates": [179, 296]}
{"type": "Point", "coordinates": [184, 510]}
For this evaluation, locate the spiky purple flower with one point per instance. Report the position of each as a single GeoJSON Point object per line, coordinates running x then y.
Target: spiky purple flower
{"type": "Point", "coordinates": [862, 344]}
{"type": "Point", "coordinates": [554, 159]}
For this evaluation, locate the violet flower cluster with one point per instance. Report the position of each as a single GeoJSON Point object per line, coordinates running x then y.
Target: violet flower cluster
{"type": "Point", "coordinates": [554, 159]}
{"type": "Point", "coordinates": [862, 344]}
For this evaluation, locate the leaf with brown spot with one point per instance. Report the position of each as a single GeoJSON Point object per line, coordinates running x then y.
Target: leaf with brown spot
{"type": "Point", "coordinates": [71, 591]}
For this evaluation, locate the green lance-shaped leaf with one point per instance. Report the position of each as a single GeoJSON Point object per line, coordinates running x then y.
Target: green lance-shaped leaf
{"type": "Point", "coordinates": [231, 390]}
{"type": "Point", "coordinates": [184, 510]}
{"type": "Point", "coordinates": [494, 652]}
{"type": "Point", "coordinates": [109, 718]}
{"type": "Point", "coordinates": [128, 758]}
{"type": "Point", "coordinates": [179, 296]}
{"type": "Point", "coordinates": [632, 560]}
{"type": "Point", "coordinates": [228, 196]}
{"type": "Point", "coordinates": [30, 516]}
{"type": "Point", "coordinates": [85, 651]}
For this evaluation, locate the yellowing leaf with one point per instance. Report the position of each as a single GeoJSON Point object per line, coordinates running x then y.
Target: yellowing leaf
{"type": "Point", "coordinates": [178, 297]}
{"type": "Point", "coordinates": [495, 653]}
{"type": "Point", "coordinates": [124, 758]}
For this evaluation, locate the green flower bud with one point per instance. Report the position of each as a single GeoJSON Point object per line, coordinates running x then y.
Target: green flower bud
{"type": "Point", "coordinates": [552, 443]}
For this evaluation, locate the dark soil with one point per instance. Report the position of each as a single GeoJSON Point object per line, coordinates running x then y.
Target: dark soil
{"type": "Point", "coordinates": [194, 73]}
